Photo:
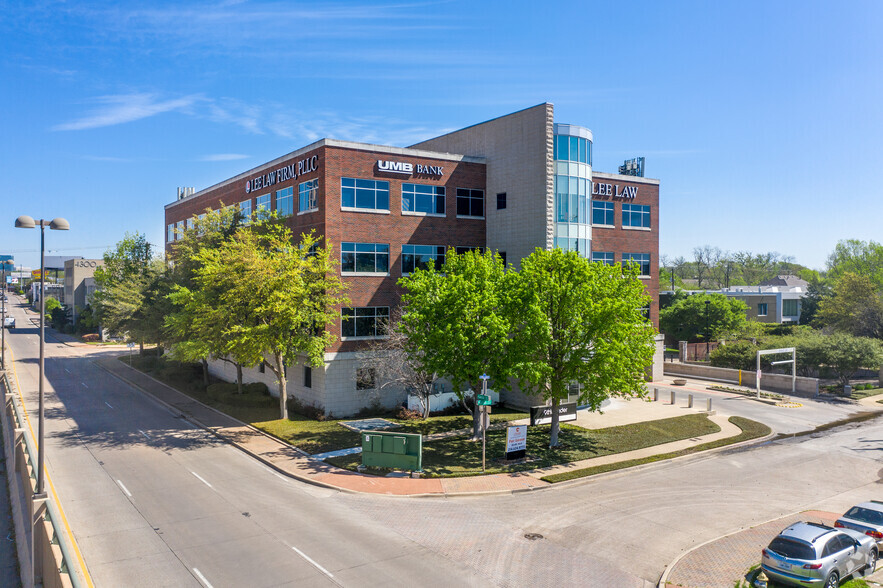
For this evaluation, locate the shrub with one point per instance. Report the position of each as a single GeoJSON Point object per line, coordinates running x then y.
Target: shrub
{"type": "Point", "coordinates": [737, 355]}
{"type": "Point", "coordinates": [91, 337]}
{"type": "Point", "coordinates": [406, 414]}
{"type": "Point", "coordinates": [308, 410]}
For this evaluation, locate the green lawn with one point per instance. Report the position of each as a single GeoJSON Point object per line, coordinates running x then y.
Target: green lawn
{"type": "Point", "coordinates": [858, 394]}
{"type": "Point", "coordinates": [460, 456]}
{"type": "Point", "coordinates": [318, 437]}
{"type": "Point", "coordinates": [750, 430]}
{"type": "Point", "coordinates": [262, 410]}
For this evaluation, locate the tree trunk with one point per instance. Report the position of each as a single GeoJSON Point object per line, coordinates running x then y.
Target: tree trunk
{"type": "Point", "coordinates": [205, 380]}
{"type": "Point", "coordinates": [283, 386]}
{"type": "Point", "coordinates": [556, 425]}
{"type": "Point", "coordinates": [239, 376]}
{"type": "Point", "coordinates": [141, 348]}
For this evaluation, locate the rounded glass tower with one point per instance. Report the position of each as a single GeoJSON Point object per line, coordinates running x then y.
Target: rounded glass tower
{"type": "Point", "coordinates": [573, 188]}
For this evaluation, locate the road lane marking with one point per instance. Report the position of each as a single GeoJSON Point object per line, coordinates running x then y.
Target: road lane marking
{"type": "Point", "coordinates": [84, 384]}
{"type": "Point", "coordinates": [202, 579]}
{"type": "Point", "coordinates": [126, 490]}
{"type": "Point", "coordinates": [67, 370]}
{"type": "Point", "coordinates": [307, 557]}
{"type": "Point", "coordinates": [201, 479]}
{"type": "Point", "coordinates": [109, 406]}
{"type": "Point", "coordinates": [70, 534]}
{"type": "Point", "coordinates": [143, 433]}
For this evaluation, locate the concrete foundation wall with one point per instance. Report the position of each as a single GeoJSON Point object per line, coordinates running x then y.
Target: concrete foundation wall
{"type": "Point", "coordinates": [806, 387]}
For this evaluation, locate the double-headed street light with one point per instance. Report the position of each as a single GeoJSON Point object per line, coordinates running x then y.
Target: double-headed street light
{"type": "Point", "coordinates": [57, 224]}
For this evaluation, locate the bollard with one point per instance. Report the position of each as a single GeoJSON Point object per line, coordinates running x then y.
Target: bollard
{"type": "Point", "coordinates": [655, 394]}
{"type": "Point", "coordinates": [709, 405]}
{"type": "Point", "coordinates": [672, 396]}
{"type": "Point", "coordinates": [689, 401]}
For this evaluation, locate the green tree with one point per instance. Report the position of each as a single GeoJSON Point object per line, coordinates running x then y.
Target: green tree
{"type": "Point", "coordinates": [130, 270]}
{"type": "Point", "coordinates": [846, 354]}
{"type": "Point", "coordinates": [581, 323]}
{"type": "Point", "coordinates": [855, 307]}
{"type": "Point", "coordinates": [290, 292]}
{"type": "Point", "coordinates": [685, 319]}
{"type": "Point", "coordinates": [50, 305]}
{"type": "Point", "coordinates": [193, 337]}
{"type": "Point", "coordinates": [457, 324]}
{"type": "Point", "coordinates": [856, 257]}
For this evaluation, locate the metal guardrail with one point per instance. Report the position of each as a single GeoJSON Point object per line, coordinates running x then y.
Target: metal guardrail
{"type": "Point", "coordinates": [50, 551]}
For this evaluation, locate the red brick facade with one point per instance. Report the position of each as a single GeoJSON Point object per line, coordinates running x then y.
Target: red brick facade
{"type": "Point", "coordinates": [337, 225]}
{"type": "Point", "coordinates": [621, 240]}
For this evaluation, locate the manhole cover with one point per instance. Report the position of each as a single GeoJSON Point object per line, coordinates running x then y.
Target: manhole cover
{"type": "Point", "coordinates": [532, 536]}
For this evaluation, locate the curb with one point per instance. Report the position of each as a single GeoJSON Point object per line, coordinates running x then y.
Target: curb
{"type": "Point", "coordinates": [313, 482]}
{"type": "Point", "coordinates": [208, 429]}
{"type": "Point", "coordinates": [664, 577]}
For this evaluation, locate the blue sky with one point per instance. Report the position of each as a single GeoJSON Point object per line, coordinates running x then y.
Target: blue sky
{"type": "Point", "coordinates": [761, 119]}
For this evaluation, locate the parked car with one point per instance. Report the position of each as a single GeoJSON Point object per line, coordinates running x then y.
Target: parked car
{"type": "Point", "coordinates": [9, 322]}
{"type": "Point", "coordinates": [866, 518]}
{"type": "Point", "coordinates": [810, 554]}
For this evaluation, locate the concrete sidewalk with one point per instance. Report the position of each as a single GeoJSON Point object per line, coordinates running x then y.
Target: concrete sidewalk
{"type": "Point", "coordinates": [724, 561]}
{"type": "Point", "coordinates": [292, 462]}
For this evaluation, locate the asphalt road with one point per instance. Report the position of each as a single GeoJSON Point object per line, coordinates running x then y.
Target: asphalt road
{"type": "Point", "coordinates": [153, 501]}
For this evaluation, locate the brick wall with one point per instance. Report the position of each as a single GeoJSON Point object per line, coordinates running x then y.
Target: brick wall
{"type": "Point", "coordinates": [621, 240]}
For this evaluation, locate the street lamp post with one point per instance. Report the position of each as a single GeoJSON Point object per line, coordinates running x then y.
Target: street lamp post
{"type": "Point", "coordinates": [6, 264]}
{"type": "Point", "coordinates": [57, 224]}
{"type": "Point", "coordinates": [707, 335]}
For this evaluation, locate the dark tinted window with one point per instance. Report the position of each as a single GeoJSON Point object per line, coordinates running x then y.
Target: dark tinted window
{"type": "Point", "coordinates": [792, 549]}
{"type": "Point", "coordinates": [865, 515]}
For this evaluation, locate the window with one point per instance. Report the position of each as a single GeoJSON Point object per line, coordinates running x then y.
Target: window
{"type": "Point", "coordinates": [368, 321]}
{"type": "Point", "coordinates": [285, 201]}
{"type": "Point", "coordinates": [569, 148]}
{"type": "Point", "coordinates": [603, 257]}
{"type": "Point", "coordinates": [306, 195]}
{"type": "Point", "coordinates": [364, 257]}
{"type": "Point", "coordinates": [308, 377]}
{"type": "Point", "coordinates": [170, 236]}
{"type": "Point", "coordinates": [642, 259]}
{"type": "Point", "coordinates": [366, 379]}
{"type": "Point", "coordinates": [462, 250]}
{"type": "Point", "coordinates": [635, 215]}
{"type": "Point", "coordinates": [602, 213]}
{"type": "Point", "coordinates": [470, 202]}
{"type": "Point", "coordinates": [423, 199]}
{"type": "Point", "coordinates": [422, 257]}
{"type": "Point", "coordinates": [789, 308]}
{"type": "Point", "coordinates": [190, 222]}
{"type": "Point", "coordinates": [501, 200]}
{"type": "Point", "coordinates": [245, 211]}
{"type": "Point", "coordinates": [179, 233]}
{"type": "Point", "coordinates": [262, 203]}
{"type": "Point", "coordinates": [364, 194]}
{"type": "Point", "coordinates": [762, 309]}
{"type": "Point", "coordinates": [502, 255]}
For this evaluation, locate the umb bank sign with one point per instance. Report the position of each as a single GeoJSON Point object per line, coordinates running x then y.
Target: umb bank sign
{"type": "Point", "coordinates": [282, 174]}
{"type": "Point", "coordinates": [400, 167]}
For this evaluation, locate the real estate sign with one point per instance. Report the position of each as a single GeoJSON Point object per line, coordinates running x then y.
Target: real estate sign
{"type": "Point", "coordinates": [516, 442]}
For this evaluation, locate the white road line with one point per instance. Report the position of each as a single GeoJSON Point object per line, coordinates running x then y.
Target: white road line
{"type": "Point", "coordinates": [126, 490]}
{"type": "Point", "coordinates": [306, 557]}
{"type": "Point", "coordinates": [202, 579]}
{"type": "Point", "coordinates": [109, 406]}
{"type": "Point", "coordinates": [143, 433]}
{"type": "Point", "coordinates": [84, 384]}
{"type": "Point", "coordinates": [201, 479]}
{"type": "Point", "coordinates": [67, 370]}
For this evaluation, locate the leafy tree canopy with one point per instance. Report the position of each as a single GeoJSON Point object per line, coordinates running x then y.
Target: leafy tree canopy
{"type": "Point", "coordinates": [857, 257]}
{"type": "Point", "coordinates": [685, 319]}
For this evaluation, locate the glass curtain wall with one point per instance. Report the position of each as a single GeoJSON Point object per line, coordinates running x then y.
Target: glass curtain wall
{"type": "Point", "coordinates": [573, 188]}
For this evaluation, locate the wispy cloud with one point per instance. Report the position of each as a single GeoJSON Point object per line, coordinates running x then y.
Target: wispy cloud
{"type": "Point", "coordinates": [124, 108]}
{"type": "Point", "coordinates": [107, 159]}
{"type": "Point", "coordinates": [223, 157]}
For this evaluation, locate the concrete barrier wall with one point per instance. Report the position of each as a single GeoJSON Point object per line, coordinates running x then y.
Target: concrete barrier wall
{"type": "Point", "coordinates": [806, 387]}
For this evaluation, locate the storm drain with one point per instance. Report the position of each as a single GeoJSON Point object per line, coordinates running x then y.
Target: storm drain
{"type": "Point", "coordinates": [532, 536]}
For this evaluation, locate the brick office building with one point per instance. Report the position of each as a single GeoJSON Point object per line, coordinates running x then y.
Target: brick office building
{"type": "Point", "coordinates": [510, 184]}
